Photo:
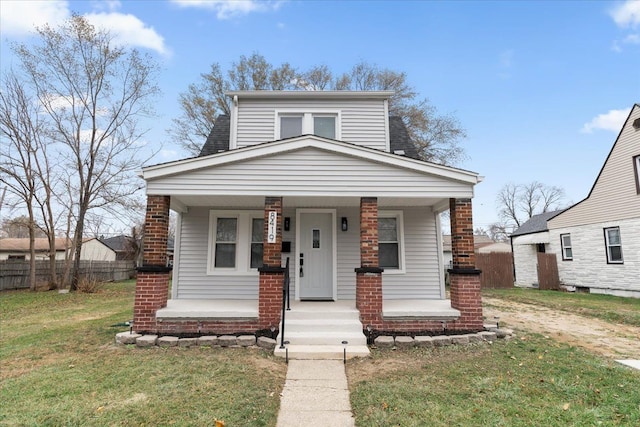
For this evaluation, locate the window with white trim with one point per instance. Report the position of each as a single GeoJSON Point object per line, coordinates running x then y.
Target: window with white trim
{"type": "Point", "coordinates": [290, 124]}
{"type": "Point", "coordinates": [257, 239]}
{"type": "Point", "coordinates": [390, 241]}
{"type": "Point", "coordinates": [235, 242]}
{"type": "Point", "coordinates": [613, 245]}
{"type": "Point", "coordinates": [636, 169]}
{"type": "Point", "coordinates": [225, 242]}
{"type": "Point", "coordinates": [567, 249]}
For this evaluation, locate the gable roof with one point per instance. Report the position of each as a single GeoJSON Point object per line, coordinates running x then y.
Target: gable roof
{"type": "Point", "coordinates": [536, 223]}
{"type": "Point", "coordinates": [399, 140]}
{"type": "Point", "coordinates": [614, 194]}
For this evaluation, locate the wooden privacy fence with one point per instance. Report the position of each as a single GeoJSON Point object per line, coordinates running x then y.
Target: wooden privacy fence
{"type": "Point", "coordinates": [548, 278]}
{"type": "Point", "coordinates": [14, 274]}
{"type": "Point", "coordinates": [497, 270]}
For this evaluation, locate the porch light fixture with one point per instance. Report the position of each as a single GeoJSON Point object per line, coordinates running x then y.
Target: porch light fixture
{"type": "Point", "coordinates": [287, 223]}
{"type": "Point", "coordinates": [345, 224]}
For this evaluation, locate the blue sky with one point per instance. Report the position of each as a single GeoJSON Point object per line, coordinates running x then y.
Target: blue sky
{"type": "Point", "coordinates": [542, 87]}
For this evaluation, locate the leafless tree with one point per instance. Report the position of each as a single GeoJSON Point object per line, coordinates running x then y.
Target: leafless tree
{"type": "Point", "coordinates": [22, 133]}
{"type": "Point", "coordinates": [436, 135]}
{"type": "Point", "coordinates": [94, 93]}
{"type": "Point", "coordinates": [517, 203]}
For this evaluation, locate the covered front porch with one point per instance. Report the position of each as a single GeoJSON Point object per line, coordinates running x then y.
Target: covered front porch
{"type": "Point", "coordinates": [371, 240]}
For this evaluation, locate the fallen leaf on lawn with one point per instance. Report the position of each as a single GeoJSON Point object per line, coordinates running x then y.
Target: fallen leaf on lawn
{"type": "Point", "coordinates": [566, 406]}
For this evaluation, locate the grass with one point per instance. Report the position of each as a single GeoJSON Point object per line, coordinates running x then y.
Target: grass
{"type": "Point", "coordinates": [605, 307]}
{"type": "Point", "coordinates": [59, 366]}
{"type": "Point", "coordinates": [527, 381]}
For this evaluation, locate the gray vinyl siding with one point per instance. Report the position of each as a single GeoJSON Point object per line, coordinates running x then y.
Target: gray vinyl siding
{"type": "Point", "coordinates": [614, 196]}
{"type": "Point", "coordinates": [363, 121]}
{"type": "Point", "coordinates": [194, 283]}
{"type": "Point", "coordinates": [421, 279]}
{"type": "Point", "coordinates": [312, 172]}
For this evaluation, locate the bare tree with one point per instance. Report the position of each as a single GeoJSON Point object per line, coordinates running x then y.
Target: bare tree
{"type": "Point", "coordinates": [22, 132]}
{"type": "Point", "coordinates": [94, 94]}
{"type": "Point", "coordinates": [517, 203]}
{"type": "Point", "coordinates": [436, 136]}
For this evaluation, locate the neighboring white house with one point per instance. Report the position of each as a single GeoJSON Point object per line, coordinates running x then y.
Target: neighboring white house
{"type": "Point", "coordinates": [527, 241]}
{"type": "Point", "coordinates": [328, 180]}
{"type": "Point", "coordinates": [598, 239]}
{"type": "Point", "coordinates": [95, 250]}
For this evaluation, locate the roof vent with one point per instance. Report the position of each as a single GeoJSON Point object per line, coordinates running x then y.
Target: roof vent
{"type": "Point", "coordinates": [636, 123]}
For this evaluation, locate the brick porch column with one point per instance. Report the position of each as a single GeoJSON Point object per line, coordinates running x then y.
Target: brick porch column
{"type": "Point", "coordinates": [271, 272]}
{"type": "Point", "coordinates": [152, 284]}
{"type": "Point", "coordinates": [464, 277]}
{"type": "Point", "coordinates": [369, 275]}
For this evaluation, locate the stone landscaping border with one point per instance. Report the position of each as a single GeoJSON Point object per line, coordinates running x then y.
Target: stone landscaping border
{"type": "Point", "coordinates": [490, 334]}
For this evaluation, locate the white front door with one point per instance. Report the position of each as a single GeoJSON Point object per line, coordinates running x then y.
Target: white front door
{"type": "Point", "coordinates": [315, 256]}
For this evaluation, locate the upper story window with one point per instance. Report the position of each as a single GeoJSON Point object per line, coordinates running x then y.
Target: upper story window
{"type": "Point", "coordinates": [636, 169]}
{"type": "Point", "coordinates": [613, 245]}
{"type": "Point", "coordinates": [567, 250]}
{"type": "Point", "coordinates": [325, 124]}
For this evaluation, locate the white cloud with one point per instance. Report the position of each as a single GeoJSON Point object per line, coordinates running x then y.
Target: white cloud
{"type": "Point", "coordinates": [612, 121]}
{"type": "Point", "coordinates": [19, 18]}
{"type": "Point", "coordinates": [505, 63]}
{"type": "Point", "coordinates": [129, 30]}
{"type": "Point", "coordinates": [226, 9]}
{"type": "Point", "coordinates": [168, 154]}
{"type": "Point", "coordinates": [627, 14]}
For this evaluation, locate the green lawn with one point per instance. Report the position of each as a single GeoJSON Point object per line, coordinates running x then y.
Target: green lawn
{"type": "Point", "coordinates": [60, 366]}
{"type": "Point", "coordinates": [527, 381]}
{"type": "Point", "coordinates": [605, 307]}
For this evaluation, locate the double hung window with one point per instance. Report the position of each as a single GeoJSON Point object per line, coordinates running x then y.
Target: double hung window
{"type": "Point", "coordinates": [567, 249]}
{"type": "Point", "coordinates": [390, 245]}
{"type": "Point", "coordinates": [613, 245]}
{"type": "Point", "coordinates": [235, 242]}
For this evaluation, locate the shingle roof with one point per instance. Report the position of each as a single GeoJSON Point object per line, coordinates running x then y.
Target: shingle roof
{"type": "Point", "coordinates": [399, 139]}
{"type": "Point", "coordinates": [41, 244]}
{"type": "Point", "coordinates": [218, 139]}
{"type": "Point", "coordinates": [536, 223]}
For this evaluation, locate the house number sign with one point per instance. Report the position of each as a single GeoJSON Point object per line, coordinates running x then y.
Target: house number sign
{"type": "Point", "coordinates": [271, 230]}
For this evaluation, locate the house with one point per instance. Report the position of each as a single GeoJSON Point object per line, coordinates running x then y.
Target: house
{"type": "Point", "coordinates": [18, 249]}
{"type": "Point", "coordinates": [481, 242]}
{"type": "Point", "coordinates": [329, 182]}
{"type": "Point", "coordinates": [597, 240]}
{"type": "Point", "coordinates": [94, 249]}
{"type": "Point", "coordinates": [527, 241]}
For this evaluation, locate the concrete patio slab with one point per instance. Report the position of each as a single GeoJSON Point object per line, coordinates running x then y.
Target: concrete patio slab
{"type": "Point", "coordinates": [631, 363]}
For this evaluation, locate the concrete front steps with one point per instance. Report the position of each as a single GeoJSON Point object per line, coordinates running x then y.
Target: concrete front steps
{"type": "Point", "coordinates": [317, 329]}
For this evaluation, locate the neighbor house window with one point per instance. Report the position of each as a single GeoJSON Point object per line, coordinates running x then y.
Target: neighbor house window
{"type": "Point", "coordinates": [319, 123]}
{"type": "Point", "coordinates": [636, 169]}
{"type": "Point", "coordinates": [613, 245]}
{"type": "Point", "coordinates": [567, 250]}
{"type": "Point", "coordinates": [390, 251]}
{"type": "Point", "coordinates": [235, 242]}
{"type": "Point", "coordinates": [226, 242]}
{"type": "Point", "coordinates": [257, 238]}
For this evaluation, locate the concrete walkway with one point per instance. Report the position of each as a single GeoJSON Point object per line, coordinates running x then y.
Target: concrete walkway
{"type": "Point", "coordinates": [315, 394]}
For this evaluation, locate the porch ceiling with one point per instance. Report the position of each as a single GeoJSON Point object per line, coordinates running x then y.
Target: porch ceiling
{"type": "Point", "coordinates": [180, 202]}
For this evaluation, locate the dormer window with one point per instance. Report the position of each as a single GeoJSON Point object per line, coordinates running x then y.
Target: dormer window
{"type": "Point", "coordinates": [292, 124]}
